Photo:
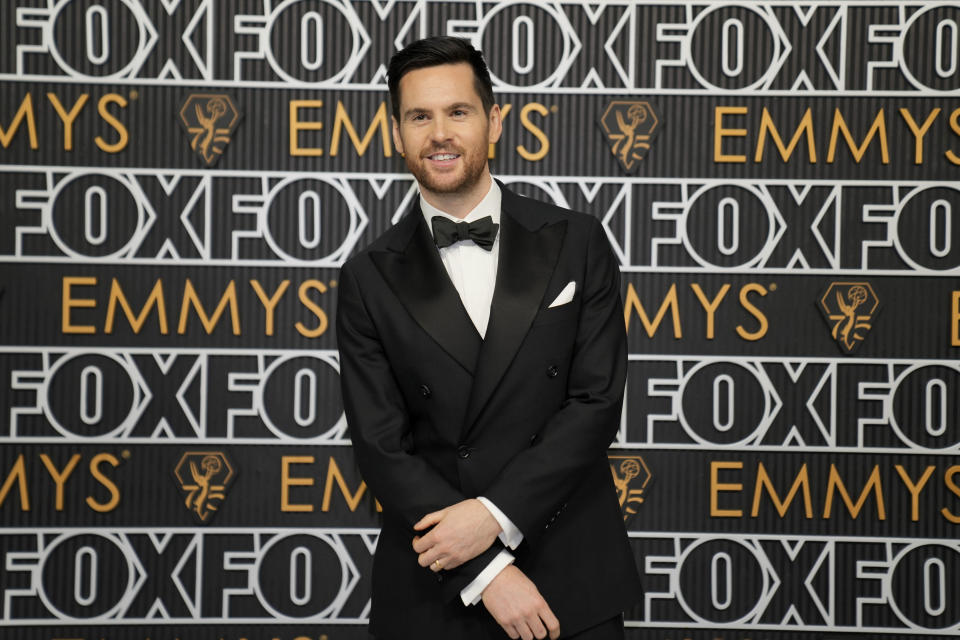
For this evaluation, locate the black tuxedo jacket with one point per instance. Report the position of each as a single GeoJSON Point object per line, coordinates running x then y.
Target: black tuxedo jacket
{"type": "Point", "coordinates": [438, 414]}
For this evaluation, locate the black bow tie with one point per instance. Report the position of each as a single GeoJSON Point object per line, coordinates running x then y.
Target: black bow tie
{"type": "Point", "coordinates": [483, 232]}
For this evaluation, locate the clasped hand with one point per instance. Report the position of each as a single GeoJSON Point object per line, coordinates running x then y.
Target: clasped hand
{"type": "Point", "coordinates": [460, 533]}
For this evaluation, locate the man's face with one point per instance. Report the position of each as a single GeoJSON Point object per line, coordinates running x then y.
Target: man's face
{"type": "Point", "coordinates": [443, 130]}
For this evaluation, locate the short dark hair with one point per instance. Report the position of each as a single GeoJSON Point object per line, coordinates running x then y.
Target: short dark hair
{"type": "Point", "coordinates": [435, 51]}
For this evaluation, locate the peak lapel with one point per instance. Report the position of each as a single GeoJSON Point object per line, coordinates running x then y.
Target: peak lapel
{"type": "Point", "coordinates": [413, 269]}
{"type": "Point", "coordinates": [527, 260]}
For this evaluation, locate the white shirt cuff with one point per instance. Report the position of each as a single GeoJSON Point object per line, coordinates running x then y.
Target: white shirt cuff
{"type": "Point", "coordinates": [510, 535]}
{"type": "Point", "coordinates": [472, 593]}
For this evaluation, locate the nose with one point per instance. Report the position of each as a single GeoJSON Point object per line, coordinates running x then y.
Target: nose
{"type": "Point", "coordinates": [439, 132]}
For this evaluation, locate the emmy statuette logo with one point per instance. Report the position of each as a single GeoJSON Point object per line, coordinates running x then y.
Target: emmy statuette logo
{"type": "Point", "coordinates": [629, 126]}
{"type": "Point", "coordinates": [209, 119]}
{"type": "Point", "coordinates": [631, 477]}
{"type": "Point", "coordinates": [849, 309]}
{"type": "Point", "coordinates": [203, 476]}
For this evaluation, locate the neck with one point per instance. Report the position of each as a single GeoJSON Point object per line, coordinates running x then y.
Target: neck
{"type": "Point", "coordinates": [461, 203]}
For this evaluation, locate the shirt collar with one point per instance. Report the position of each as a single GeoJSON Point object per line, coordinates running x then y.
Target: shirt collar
{"type": "Point", "coordinates": [489, 206]}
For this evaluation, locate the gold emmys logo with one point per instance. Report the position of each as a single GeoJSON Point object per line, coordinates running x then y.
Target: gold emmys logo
{"type": "Point", "coordinates": [629, 126]}
{"type": "Point", "coordinates": [849, 308]}
{"type": "Point", "coordinates": [210, 118]}
{"type": "Point", "coordinates": [631, 477]}
{"type": "Point", "coordinates": [204, 476]}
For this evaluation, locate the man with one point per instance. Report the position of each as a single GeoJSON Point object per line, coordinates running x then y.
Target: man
{"type": "Point", "coordinates": [482, 372]}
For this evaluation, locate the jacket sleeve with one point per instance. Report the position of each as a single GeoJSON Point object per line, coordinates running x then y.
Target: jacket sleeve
{"type": "Point", "coordinates": [538, 481]}
{"type": "Point", "coordinates": [405, 484]}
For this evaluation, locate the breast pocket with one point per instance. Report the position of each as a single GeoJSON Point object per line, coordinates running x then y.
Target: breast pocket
{"type": "Point", "coordinates": [563, 313]}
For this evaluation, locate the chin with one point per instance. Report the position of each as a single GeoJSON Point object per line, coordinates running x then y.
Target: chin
{"type": "Point", "coordinates": [452, 184]}
{"type": "Point", "coordinates": [446, 187]}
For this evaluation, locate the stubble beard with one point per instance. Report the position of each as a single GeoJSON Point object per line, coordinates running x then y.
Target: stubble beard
{"type": "Point", "coordinates": [473, 166]}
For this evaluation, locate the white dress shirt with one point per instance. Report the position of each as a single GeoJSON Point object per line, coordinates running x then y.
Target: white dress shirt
{"type": "Point", "coordinates": [473, 271]}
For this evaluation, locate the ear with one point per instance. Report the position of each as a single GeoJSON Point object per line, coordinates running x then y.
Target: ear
{"type": "Point", "coordinates": [397, 141]}
{"type": "Point", "coordinates": [495, 122]}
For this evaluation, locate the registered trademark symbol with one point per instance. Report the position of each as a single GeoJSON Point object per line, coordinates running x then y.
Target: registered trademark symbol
{"type": "Point", "coordinates": [134, 94]}
{"type": "Point", "coordinates": [773, 286]}
{"type": "Point", "coordinates": [554, 109]}
{"type": "Point", "coordinates": [333, 283]}
{"type": "Point", "coordinates": [125, 454]}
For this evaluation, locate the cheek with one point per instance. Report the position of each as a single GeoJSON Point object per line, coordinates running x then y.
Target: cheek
{"type": "Point", "coordinates": [408, 139]}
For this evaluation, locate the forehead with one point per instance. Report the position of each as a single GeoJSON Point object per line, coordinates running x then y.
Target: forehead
{"type": "Point", "coordinates": [437, 86]}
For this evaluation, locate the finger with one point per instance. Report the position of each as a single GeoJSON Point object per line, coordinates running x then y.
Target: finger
{"type": "Point", "coordinates": [423, 543]}
{"type": "Point", "coordinates": [524, 630]}
{"type": "Point", "coordinates": [551, 622]}
{"type": "Point", "coordinates": [427, 558]}
{"type": "Point", "coordinates": [430, 556]}
{"type": "Point", "coordinates": [511, 631]}
{"type": "Point", "coordinates": [429, 520]}
{"type": "Point", "coordinates": [451, 562]}
{"type": "Point", "coordinates": [539, 631]}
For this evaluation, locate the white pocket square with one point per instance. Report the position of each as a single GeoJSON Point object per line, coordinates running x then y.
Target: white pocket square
{"type": "Point", "coordinates": [565, 296]}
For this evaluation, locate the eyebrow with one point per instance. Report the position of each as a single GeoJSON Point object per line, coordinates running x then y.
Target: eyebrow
{"type": "Point", "coordinates": [456, 105]}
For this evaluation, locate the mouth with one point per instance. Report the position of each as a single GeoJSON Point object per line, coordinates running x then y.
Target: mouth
{"type": "Point", "coordinates": [443, 158]}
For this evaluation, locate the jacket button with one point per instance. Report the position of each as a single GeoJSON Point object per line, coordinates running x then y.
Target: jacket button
{"type": "Point", "coordinates": [552, 371]}
{"type": "Point", "coordinates": [463, 451]}
{"type": "Point", "coordinates": [425, 391]}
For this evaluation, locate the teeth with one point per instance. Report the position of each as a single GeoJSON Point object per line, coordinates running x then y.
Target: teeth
{"type": "Point", "coordinates": [444, 156]}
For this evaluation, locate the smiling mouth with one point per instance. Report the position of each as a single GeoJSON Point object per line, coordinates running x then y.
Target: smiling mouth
{"type": "Point", "coordinates": [440, 157]}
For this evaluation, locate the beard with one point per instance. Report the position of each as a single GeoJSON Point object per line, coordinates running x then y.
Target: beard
{"type": "Point", "coordinates": [471, 171]}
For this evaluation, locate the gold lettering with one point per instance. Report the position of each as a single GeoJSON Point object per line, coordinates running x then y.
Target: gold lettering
{"type": "Point", "coordinates": [297, 125]}
{"type": "Point", "coordinates": [352, 499]}
{"type": "Point", "coordinates": [305, 288]}
{"type": "Point", "coordinates": [767, 125]}
{"type": "Point", "coordinates": [25, 112]}
{"type": "Point", "coordinates": [109, 118]}
{"type": "Point", "coordinates": [60, 477]}
{"type": "Point", "coordinates": [918, 132]}
{"type": "Point", "coordinates": [229, 298]}
{"type": "Point", "coordinates": [955, 320]}
{"type": "Point", "coordinates": [669, 302]}
{"type": "Point", "coordinates": [155, 299]}
{"type": "Point", "coordinates": [879, 128]}
{"type": "Point", "coordinates": [341, 120]}
{"type": "Point", "coordinates": [763, 482]}
{"type": "Point", "coordinates": [749, 307]}
{"type": "Point", "coordinates": [269, 304]}
{"type": "Point", "coordinates": [68, 118]}
{"type": "Point", "coordinates": [914, 489]}
{"type": "Point", "coordinates": [99, 476]}
{"type": "Point", "coordinates": [710, 306]}
{"type": "Point", "coordinates": [720, 132]}
{"type": "Point", "coordinates": [716, 487]}
{"type": "Point", "coordinates": [955, 127]}
{"type": "Point", "coordinates": [287, 481]}
{"type": "Point", "coordinates": [535, 130]}
{"type": "Point", "coordinates": [18, 474]}
{"type": "Point", "coordinates": [69, 302]}
{"type": "Point", "coordinates": [835, 482]}
{"type": "Point", "coordinates": [947, 479]}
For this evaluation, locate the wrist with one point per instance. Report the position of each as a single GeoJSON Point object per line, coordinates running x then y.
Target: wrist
{"type": "Point", "coordinates": [492, 525]}
{"type": "Point", "coordinates": [502, 575]}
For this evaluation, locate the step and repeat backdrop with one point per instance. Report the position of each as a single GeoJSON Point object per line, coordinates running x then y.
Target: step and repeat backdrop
{"type": "Point", "coordinates": [180, 181]}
